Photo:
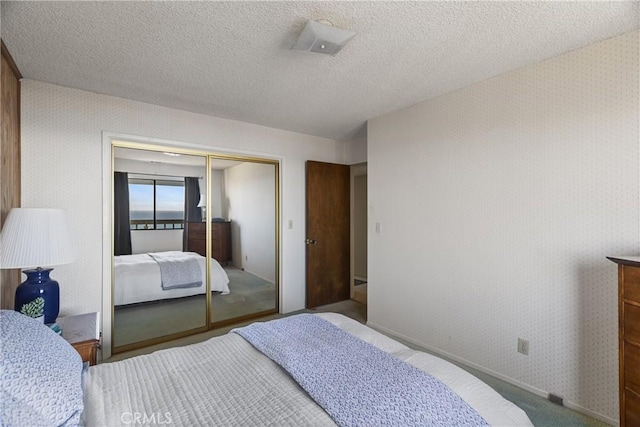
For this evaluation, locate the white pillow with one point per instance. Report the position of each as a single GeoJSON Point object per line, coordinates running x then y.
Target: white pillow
{"type": "Point", "coordinates": [40, 372]}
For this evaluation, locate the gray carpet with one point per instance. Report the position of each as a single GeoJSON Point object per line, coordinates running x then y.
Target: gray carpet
{"type": "Point", "coordinates": [139, 322]}
{"type": "Point", "coordinates": [249, 294]}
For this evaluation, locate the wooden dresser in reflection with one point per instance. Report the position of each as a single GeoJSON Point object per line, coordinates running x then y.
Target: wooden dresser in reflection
{"type": "Point", "coordinates": [629, 336]}
{"type": "Point", "coordinates": [220, 240]}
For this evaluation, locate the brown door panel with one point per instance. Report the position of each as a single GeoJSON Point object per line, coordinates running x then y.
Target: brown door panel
{"type": "Point", "coordinates": [328, 211]}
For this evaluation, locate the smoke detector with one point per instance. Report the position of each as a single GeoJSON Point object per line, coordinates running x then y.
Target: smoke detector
{"type": "Point", "coordinates": [322, 37]}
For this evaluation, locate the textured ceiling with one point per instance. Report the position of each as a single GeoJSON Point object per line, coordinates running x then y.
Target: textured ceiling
{"type": "Point", "coordinates": [232, 59]}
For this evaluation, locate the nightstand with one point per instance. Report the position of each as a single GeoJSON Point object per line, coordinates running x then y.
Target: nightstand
{"type": "Point", "coordinates": [83, 333]}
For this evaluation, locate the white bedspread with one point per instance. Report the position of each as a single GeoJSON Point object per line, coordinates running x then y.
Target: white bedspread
{"type": "Point", "coordinates": [224, 381]}
{"type": "Point", "coordinates": [137, 279]}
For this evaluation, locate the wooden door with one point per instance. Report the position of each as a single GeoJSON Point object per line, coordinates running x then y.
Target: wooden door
{"type": "Point", "coordinates": [327, 242]}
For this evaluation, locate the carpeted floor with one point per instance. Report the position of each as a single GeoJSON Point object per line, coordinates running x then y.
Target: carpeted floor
{"type": "Point", "coordinates": [249, 294]}
{"type": "Point", "coordinates": [139, 322]}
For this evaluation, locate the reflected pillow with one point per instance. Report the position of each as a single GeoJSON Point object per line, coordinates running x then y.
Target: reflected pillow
{"type": "Point", "coordinates": [41, 374]}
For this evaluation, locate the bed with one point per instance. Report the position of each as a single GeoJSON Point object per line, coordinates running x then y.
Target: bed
{"type": "Point", "coordinates": [228, 381]}
{"type": "Point", "coordinates": [138, 278]}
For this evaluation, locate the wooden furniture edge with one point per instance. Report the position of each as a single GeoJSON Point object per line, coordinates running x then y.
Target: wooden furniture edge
{"type": "Point", "coordinates": [88, 350]}
{"type": "Point", "coordinates": [624, 261]}
{"type": "Point", "coordinates": [10, 61]}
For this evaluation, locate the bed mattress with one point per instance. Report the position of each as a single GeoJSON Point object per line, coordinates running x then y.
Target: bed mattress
{"type": "Point", "coordinates": [137, 279]}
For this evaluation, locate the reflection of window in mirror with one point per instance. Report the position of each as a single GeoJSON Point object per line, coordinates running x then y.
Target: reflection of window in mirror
{"type": "Point", "coordinates": [156, 204]}
{"type": "Point", "coordinates": [156, 194]}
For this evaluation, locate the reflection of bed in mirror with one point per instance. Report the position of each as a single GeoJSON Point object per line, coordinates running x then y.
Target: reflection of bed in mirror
{"type": "Point", "coordinates": [139, 278]}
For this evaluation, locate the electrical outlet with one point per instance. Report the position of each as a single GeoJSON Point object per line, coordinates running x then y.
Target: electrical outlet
{"type": "Point", "coordinates": [290, 224]}
{"type": "Point", "coordinates": [523, 346]}
{"type": "Point", "coordinates": [377, 227]}
{"type": "Point", "coordinates": [555, 399]}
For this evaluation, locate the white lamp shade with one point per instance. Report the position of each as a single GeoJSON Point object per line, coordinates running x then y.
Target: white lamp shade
{"type": "Point", "coordinates": [34, 237]}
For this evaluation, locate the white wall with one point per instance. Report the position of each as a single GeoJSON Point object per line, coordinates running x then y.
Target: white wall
{"type": "Point", "coordinates": [498, 204]}
{"type": "Point", "coordinates": [218, 204]}
{"type": "Point", "coordinates": [360, 226]}
{"type": "Point", "coordinates": [355, 151]}
{"type": "Point", "coordinates": [250, 191]}
{"type": "Point", "coordinates": [145, 241]}
{"type": "Point", "coordinates": [62, 168]}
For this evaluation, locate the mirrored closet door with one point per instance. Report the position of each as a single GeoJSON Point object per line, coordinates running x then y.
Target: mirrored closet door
{"type": "Point", "coordinates": [195, 242]}
{"type": "Point", "coordinates": [242, 210]}
{"type": "Point", "coordinates": [159, 288]}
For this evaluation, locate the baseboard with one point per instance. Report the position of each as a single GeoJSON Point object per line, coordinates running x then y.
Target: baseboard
{"type": "Point", "coordinates": [597, 416]}
{"type": "Point", "coordinates": [259, 276]}
{"type": "Point", "coordinates": [538, 392]}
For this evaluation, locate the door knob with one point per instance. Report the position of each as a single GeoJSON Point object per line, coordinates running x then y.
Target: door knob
{"type": "Point", "coordinates": [310, 242]}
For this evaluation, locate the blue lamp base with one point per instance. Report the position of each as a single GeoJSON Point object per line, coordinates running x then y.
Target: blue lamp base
{"type": "Point", "coordinates": [38, 284]}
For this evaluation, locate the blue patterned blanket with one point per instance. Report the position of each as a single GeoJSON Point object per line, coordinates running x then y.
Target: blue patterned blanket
{"type": "Point", "coordinates": [356, 383]}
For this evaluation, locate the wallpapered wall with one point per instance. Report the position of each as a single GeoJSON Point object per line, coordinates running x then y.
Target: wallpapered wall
{"type": "Point", "coordinates": [62, 168]}
{"type": "Point", "coordinates": [498, 204]}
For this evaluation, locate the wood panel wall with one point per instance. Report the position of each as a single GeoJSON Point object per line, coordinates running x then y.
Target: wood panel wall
{"type": "Point", "coordinates": [9, 161]}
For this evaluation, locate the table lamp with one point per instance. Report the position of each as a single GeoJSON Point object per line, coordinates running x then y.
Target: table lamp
{"type": "Point", "coordinates": [203, 206]}
{"type": "Point", "coordinates": [32, 238]}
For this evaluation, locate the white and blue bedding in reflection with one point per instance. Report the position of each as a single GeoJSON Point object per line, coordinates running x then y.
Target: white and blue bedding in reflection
{"type": "Point", "coordinates": [138, 278]}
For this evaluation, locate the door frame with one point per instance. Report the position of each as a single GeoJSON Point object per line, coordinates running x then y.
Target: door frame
{"type": "Point", "coordinates": [357, 169]}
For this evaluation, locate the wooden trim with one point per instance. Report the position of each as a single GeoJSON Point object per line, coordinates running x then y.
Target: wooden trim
{"type": "Point", "coordinates": [624, 261]}
{"type": "Point", "coordinates": [157, 340]}
{"type": "Point", "coordinates": [88, 350]}
{"type": "Point", "coordinates": [10, 168]}
{"type": "Point", "coordinates": [621, 384]}
{"type": "Point", "coordinates": [10, 61]}
{"type": "Point", "coordinates": [243, 318]}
